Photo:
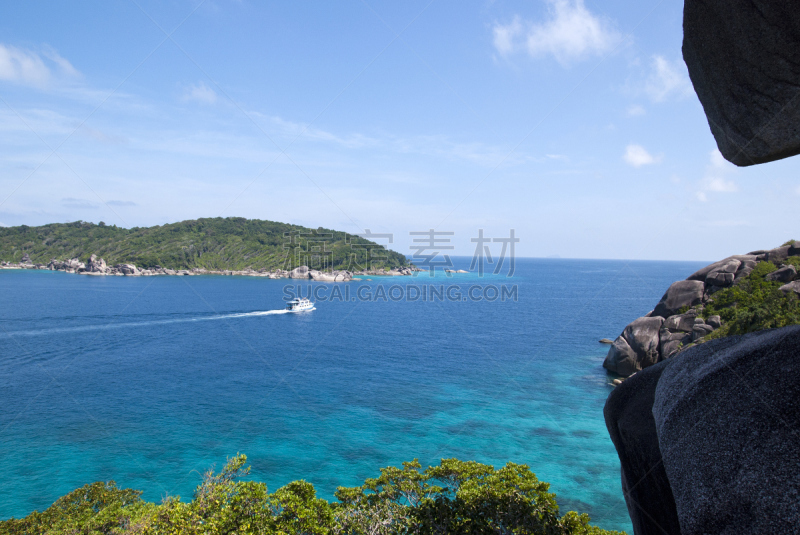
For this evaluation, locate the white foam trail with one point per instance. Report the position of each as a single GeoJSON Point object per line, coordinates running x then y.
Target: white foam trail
{"type": "Point", "coordinates": [124, 325]}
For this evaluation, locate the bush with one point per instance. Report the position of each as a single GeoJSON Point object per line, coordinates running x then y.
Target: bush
{"type": "Point", "coordinates": [754, 304]}
{"type": "Point", "coordinates": [455, 497]}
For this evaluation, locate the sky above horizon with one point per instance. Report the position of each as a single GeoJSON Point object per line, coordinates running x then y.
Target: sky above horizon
{"type": "Point", "coordinates": [572, 122]}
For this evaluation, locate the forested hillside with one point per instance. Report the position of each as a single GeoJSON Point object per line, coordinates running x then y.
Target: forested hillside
{"type": "Point", "coordinates": [232, 243]}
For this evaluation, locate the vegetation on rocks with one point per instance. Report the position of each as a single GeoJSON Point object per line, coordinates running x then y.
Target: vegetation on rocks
{"type": "Point", "coordinates": [754, 304]}
{"type": "Point", "coordinates": [455, 497]}
{"type": "Point", "coordinates": [232, 243]}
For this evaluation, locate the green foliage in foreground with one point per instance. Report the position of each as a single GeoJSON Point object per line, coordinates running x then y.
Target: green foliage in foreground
{"type": "Point", "coordinates": [232, 243]}
{"type": "Point", "coordinates": [754, 304]}
{"type": "Point", "coordinates": [453, 498]}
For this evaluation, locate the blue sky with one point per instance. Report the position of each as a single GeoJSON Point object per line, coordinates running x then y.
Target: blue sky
{"type": "Point", "coordinates": [572, 122]}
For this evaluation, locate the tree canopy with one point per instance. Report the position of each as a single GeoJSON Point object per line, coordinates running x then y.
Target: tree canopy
{"type": "Point", "coordinates": [232, 243]}
{"type": "Point", "coordinates": [455, 497]}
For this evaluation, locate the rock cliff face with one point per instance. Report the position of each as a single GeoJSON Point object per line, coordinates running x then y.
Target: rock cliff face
{"type": "Point", "coordinates": [743, 62]}
{"type": "Point", "coordinates": [708, 440]}
{"type": "Point", "coordinates": [665, 331]}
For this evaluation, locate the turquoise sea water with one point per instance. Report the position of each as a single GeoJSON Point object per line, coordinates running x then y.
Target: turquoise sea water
{"type": "Point", "coordinates": [151, 381]}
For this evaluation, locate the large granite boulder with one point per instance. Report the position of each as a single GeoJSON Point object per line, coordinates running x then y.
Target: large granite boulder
{"type": "Point", "coordinates": [621, 359]}
{"type": "Point", "coordinates": [727, 265]}
{"type": "Point", "coordinates": [681, 322]}
{"type": "Point", "coordinates": [127, 269]}
{"type": "Point", "coordinates": [96, 265]}
{"type": "Point", "coordinates": [301, 272]}
{"type": "Point", "coordinates": [727, 415]}
{"type": "Point", "coordinates": [707, 440]}
{"type": "Point", "coordinates": [742, 59]}
{"type": "Point", "coordinates": [629, 419]}
{"type": "Point", "coordinates": [672, 342]}
{"type": "Point", "coordinates": [791, 287]}
{"type": "Point", "coordinates": [678, 295]}
{"type": "Point", "coordinates": [636, 348]}
{"type": "Point", "coordinates": [784, 274]}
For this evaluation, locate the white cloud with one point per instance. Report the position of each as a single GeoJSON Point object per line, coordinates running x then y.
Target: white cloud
{"type": "Point", "coordinates": [27, 67]}
{"type": "Point", "coordinates": [636, 110]}
{"type": "Point", "coordinates": [570, 33]}
{"type": "Point", "coordinates": [668, 79]}
{"type": "Point", "coordinates": [200, 93]}
{"type": "Point", "coordinates": [504, 36]}
{"type": "Point", "coordinates": [637, 156]}
{"type": "Point", "coordinates": [714, 181]}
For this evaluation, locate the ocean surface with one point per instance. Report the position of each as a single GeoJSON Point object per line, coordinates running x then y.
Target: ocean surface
{"type": "Point", "coordinates": [151, 381]}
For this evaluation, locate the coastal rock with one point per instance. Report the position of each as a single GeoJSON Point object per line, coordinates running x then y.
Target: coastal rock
{"type": "Point", "coordinates": [681, 322]}
{"type": "Point", "coordinates": [720, 279]}
{"type": "Point", "coordinates": [700, 330]}
{"type": "Point", "coordinates": [745, 268]}
{"type": "Point", "coordinates": [642, 336]}
{"type": "Point", "coordinates": [679, 294]}
{"type": "Point", "coordinates": [779, 254]}
{"type": "Point", "coordinates": [621, 359]}
{"type": "Point", "coordinates": [629, 419]}
{"type": "Point", "coordinates": [791, 287]}
{"type": "Point", "coordinates": [606, 341]}
{"type": "Point", "coordinates": [671, 342]}
{"type": "Point", "coordinates": [96, 265]}
{"type": "Point", "coordinates": [784, 274]}
{"type": "Point", "coordinates": [635, 348]}
{"type": "Point", "coordinates": [127, 269]}
{"type": "Point", "coordinates": [726, 415]}
{"type": "Point", "coordinates": [299, 273]}
{"type": "Point", "coordinates": [726, 265]}
{"type": "Point", "coordinates": [330, 276]}
{"type": "Point", "coordinates": [714, 321]}
{"type": "Point", "coordinates": [794, 248]}
{"type": "Point", "coordinates": [742, 60]}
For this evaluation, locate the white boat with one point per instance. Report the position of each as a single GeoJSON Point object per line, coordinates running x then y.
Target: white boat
{"type": "Point", "coordinates": [299, 304]}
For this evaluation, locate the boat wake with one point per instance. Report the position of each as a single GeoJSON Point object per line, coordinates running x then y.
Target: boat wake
{"type": "Point", "coordinates": [131, 324]}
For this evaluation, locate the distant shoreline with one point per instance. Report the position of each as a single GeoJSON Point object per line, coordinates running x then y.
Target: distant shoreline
{"type": "Point", "coordinates": [97, 267]}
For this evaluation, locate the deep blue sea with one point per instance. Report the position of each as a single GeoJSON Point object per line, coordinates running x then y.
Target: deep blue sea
{"type": "Point", "coordinates": [151, 381]}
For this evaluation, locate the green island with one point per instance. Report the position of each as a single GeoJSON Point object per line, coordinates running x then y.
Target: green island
{"type": "Point", "coordinates": [232, 243]}
{"type": "Point", "coordinates": [455, 497]}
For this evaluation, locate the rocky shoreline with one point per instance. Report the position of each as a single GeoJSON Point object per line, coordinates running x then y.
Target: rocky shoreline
{"type": "Point", "coordinates": [97, 267]}
{"type": "Point", "coordinates": [667, 330]}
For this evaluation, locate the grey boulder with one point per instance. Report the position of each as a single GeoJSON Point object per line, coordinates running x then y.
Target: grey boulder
{"type": "Point", "coordinates": [678, 295]}
{"type": "Point", "coordinates": [629, 419]}
{"type": "Point", "coordinates": [96, 265]}
{"type": "Point", "coordinates": [700, 330]}
{"type": "Point", "coordinates": [128, 269]}
{"type": "Point", "coordinates": [779, 254]}
{"type": "Point", "coordinates": [636, 348]}
{"type": "Point", "coordinates": [784, 274]}
{"type": "Point", "coordinates": [791, 287]}
{"type": "Point", "coordinates": [681, 322]}
{"type": "Point", "coordinates": [621, 359]}
{"type": "Point", "coordinates": [299, 273]}
{"type": "Point", "coordinates": [726, 265]}
{"type": "Point", "coordinates": [742, 60]}
{"type": "Point", "coordinates": [719, 278]}
{"type": "Point", "coordinates": [726, 416]}
{"type": "Point", "coordinates": [671, 342]}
